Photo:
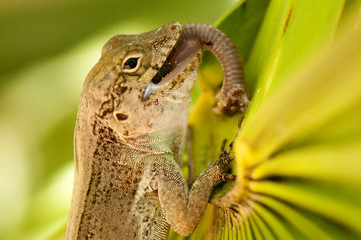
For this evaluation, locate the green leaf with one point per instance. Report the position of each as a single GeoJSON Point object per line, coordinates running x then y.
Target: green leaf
{"type": "Point", "coordinates": [305, 226]}
{"type": "Point", "coordinates": [343, 207]}
{"type": "Point", "coordinates": [321, 163]}
{"type": "Point", "coordinates": [303, 104]}
{"type": "Point", "coordinates": [298, 154]}
{"type": "Point", "coordinates": [290, 34]}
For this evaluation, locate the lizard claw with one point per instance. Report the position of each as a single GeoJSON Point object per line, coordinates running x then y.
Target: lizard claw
{"type": "Point", "coordinates": [228, 177]}
{"type": "Point", "coordinates": [223, 145]}
{"type": "Point", "coordinates": [226, 157]}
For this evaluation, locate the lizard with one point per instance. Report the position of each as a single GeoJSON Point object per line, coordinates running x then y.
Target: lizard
{"type": "Point", "coordinates": [130, 133]}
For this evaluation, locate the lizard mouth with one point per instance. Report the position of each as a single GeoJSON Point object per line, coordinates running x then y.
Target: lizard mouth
{"type": "Point", "coordinates": [179, 58]}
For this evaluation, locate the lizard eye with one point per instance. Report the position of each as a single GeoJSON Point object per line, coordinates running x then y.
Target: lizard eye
{"type": "Point", "coordinates": [132, 63]}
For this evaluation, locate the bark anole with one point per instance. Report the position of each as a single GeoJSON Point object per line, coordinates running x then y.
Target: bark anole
{"type": "Point", "coordinates": [130, 133]}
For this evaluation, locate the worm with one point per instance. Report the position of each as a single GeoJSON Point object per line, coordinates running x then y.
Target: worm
{"type": "Point", "coordinates": [232, 97]}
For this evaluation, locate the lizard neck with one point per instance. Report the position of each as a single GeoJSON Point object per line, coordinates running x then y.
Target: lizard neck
{"type": "Point", "coordinates": [167, 139]}
{"type": "Point", "coordinates": [161, 141]}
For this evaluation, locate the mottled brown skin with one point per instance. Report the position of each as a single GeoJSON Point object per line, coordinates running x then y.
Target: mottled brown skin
{"type": "Point", "coordinates": [128, 150]}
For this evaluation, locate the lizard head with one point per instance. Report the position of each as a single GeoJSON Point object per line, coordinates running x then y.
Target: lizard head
{"type": "Point", "coordinates": [141, 84]}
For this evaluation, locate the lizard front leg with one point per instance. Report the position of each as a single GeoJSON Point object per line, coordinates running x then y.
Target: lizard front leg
{"type": "Point", "coordinates": [184, 208]}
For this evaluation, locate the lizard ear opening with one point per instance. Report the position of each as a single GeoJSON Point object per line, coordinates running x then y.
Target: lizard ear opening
{"type": "Point", "coordinates": [121, 116]}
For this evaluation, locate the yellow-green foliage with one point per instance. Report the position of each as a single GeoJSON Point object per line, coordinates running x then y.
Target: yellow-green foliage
{"type": "Point", "coordinates": [298, 155]}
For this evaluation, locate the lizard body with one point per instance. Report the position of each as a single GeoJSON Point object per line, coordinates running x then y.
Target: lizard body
{"type": "Point", "coordinates": [129, 140]}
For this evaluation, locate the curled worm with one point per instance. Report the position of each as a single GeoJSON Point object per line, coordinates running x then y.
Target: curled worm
{"type": "Point", "coordinates": [232, 97]}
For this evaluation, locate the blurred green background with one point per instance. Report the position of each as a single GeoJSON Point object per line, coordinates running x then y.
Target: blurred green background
{"type": "Point", "coordinates": [46, 50]}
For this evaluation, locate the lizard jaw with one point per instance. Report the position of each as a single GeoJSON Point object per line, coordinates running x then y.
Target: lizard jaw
{"type": "Point", "coordinates": [179, 58]}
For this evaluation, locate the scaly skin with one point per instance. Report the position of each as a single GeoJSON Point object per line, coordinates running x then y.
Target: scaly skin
{"type": "Point", "coordinates": [129, 139]}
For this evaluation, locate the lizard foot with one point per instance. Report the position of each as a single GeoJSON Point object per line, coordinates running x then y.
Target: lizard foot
{"type": "Point", "coordinates": [226, 157]}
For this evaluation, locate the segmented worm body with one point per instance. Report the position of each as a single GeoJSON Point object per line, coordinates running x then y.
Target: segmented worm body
{"type": "Point", "coordinates": [232, 97]}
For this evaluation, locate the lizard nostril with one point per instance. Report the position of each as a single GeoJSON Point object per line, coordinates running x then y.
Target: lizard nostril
{"type": "Point", "coordinates": [121, 116]}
